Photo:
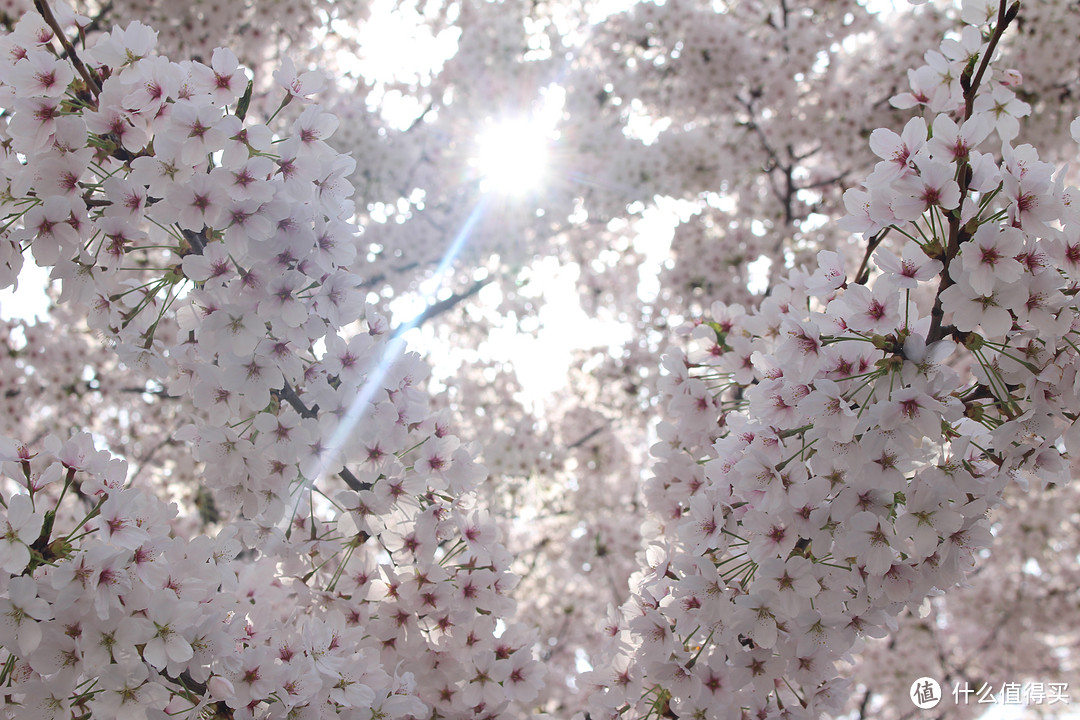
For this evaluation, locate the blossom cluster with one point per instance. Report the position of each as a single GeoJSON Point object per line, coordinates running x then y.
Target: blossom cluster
{"type": "Point", "coordinates": [354, 572]}
{"type": "Point", "coordinates": [217, 258]}
{"type": "Point", "coordinates": [991, 626]}
{"type": "Point", "coordinates": [832, 454]}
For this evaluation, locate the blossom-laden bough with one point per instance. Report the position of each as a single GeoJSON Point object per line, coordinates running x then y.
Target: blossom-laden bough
{"type": "Point", "coordinates": [352, 574]}
{"type": "Point", "coordinates": [216, 255]}
{"type": "Point", "coordinates": [831, 455]}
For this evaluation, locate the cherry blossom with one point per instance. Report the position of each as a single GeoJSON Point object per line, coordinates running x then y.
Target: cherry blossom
{"type": "Point", "coordinates": [286, 514]}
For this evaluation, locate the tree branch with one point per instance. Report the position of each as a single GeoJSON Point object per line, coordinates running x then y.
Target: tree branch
{"type": "Point", "coordinates": [47, 14]}
{"type": "Point", "coordinates": [865, 704]}
{"type": "Point", "coordinates": [588, 436]}
{"type": "Point", "coordinates": [441, 306]}
{"type": "Point", "coordinates": [288, 394]}
{"type": "Point", "coordinates": [958, 235]}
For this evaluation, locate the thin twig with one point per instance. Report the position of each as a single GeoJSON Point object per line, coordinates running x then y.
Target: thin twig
{"type": "Point", "coordinates": [862, 274]}
{"type": "Point", "coordinates": [957, 234]}
{"type": "Point", "coordinates": [589, 436]}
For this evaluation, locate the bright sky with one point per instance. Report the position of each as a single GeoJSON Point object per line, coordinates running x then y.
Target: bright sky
{"type": "Point", "coordinates": [29, 300]}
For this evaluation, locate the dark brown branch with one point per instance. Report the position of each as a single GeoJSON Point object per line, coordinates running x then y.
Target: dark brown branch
{"type": "Point", "coordinates": [1005, 16]}
{"type": "Point", "coordinates": [288, 394]}
{"type": "Point", "coordinates": [442, 306]}
{"type": "Point", "coordinates": [865, 704]}
{"type": "Point", "coordinates": [863, 273]}
{"type": "Point", "coordinates": [957, 234]}
{"type": "Point", "coordinates": [47, 14]}
{"type": "Point", "coordinates": [826, 182]}
{"type": "Point", "coordinates": [588, 436]}
{"type": "Point", "coordinates": [197, 241]}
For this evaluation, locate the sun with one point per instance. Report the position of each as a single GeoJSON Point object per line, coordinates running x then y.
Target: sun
{"type": "Point", "coordinates": [512, 156]}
